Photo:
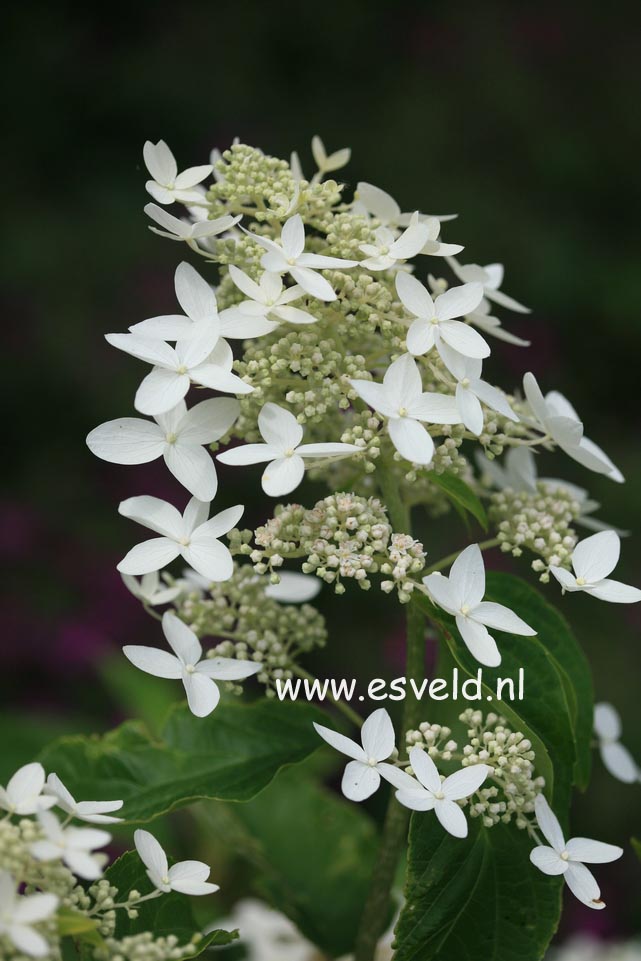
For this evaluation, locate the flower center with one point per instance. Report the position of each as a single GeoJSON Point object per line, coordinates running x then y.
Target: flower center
{"type": "Point", "coordinates": [184, 541]}
{"type": "Point", "coordinates": [291, 261]}
{"type": "Point", "coordinates": [372, 762]}
{"type": "Point", "coordinates": [465, 382]}
{"type": "Point", "coordinates": [581, 581]}
{"type": "Point", "coordinates": [181, 370]}
{"type": "Point", "coordinates": [439, 796]}
{"type": "Point", "coordinates": [434, 321]}
{"type": "Point", "coordinates": [289, 452]}
{"type": "Point", "coordinates": [465, 610]}
{"type": "Point", "coordinates": [384, 250]}
{"type": "Point", "coordinates": [402, 411]}
{"type": "Point", "coordinates": [165, 879]}
{"type": "Point", "coordinates": [190, 668]}
{"type": "Point", "coordinates": [565, 856]}
{"type": "Point", "coordinates": [171, 438]}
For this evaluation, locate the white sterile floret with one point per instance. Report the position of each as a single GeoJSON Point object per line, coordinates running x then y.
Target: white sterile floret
{"type": "Point", "coordinates": [18, 914]}
{"type": "Point", "coordinates": [370, 199]}
{"type": "Point", "coordinates": [150, 590]}
{"type": "Point", "coordinates": [616, 758]}
{"type": "Point", "coordinates": [266, 934]}
{"type": "Point", "coordinates": [362, 775]}
{"type": "Point", "coordinates": [267, 298]}
{"type": "Point", "coordinates": [401, 399]}
{"type": "Point", "coordinates": [491, 277]}
{"type": "Point", "coordinates": [429, 793]}
{"type": "Point", "coordinates": [204, 360]}
{"type": "Point", "coordinates": [436, 324]}
{"type": "Point", "coordinates": [289, 257]}
{"type": "Point", "coordinates": [178, 437]}
{"type": "Point", "coordinates": [23, 793]}
{"type": "Point", "coordinates": [184, 230]}
{"type": "Point", "coordinates": [187, 877]}
{"type": "Point", "coordinates": [471, 392]}
{"type": "Point", "coordinates": [567, 858]}
{"type": "Point", "coordinates": [283, 449]}
{"type": "Point", "coordinates": [593, 559]}
{"type": "Point", "coordinates": [187, 664]}
{"type": "Point", "coordinates": [74, 846]}
{"type": "Point", "coordinates": [190, 535]}
{"type": "Point", "coordinates": [461, 594]}
{"type": "Point", "coordinates": [294, 588]}
{"type": "Point", "coordinates": [561, 422]}
{"type": "Point", "coordinates": [168, 185]}
{"type": "Point", "coordinates": [328, 163]}
{"type": "Point", "coordinates": [387, 248]}
{"type": "Point", "coordinates": [93, 812]}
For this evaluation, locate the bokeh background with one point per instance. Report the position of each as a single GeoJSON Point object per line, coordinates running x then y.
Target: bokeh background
{"type": "Point", "coordinates": [522, 118]}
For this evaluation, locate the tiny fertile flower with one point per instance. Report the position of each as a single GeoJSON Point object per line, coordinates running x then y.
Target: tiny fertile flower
{"type": "Point", "coordinates": [18, 914]}
{"type": "Point", "coordinates": [267, 298]}
{"type": "Point", "coordinates": [187, 664]}
{"type": "Point", "coordinates": [568, 858]}
{"type": "Point", "coordinates": [189, 535]}
{"type": "Point", "coordinates": [177, 229]}
{"type": "Point", "coordinates": [72, 845]}
{"type": "Point", "coordinates": [461, 594]}
{"type": "Point", "coordinates": [94, 812]}
{"type": "Point", "coordinates": [491, 277]}
{"type": "Point", "coordinates": [187, 877]}
{"type": "Point", "coordinates": [616, 758]}
{"type": "Point", "coordinates": [372, 200]}
{"type": "Point", "coordinates": [435, 324]}
{"type": "Point", "coordinates": [560, 420]}
{"type": "Point", "coordinates": [178, 436]}
{"type": "Point", "coordinates": [283, 449]}
{"type": "Point", "coordinates": [289, 257]}
{"type": "Point", "coordinates": [429, 793]}
{"type": "Point", "coordinates": [203, 360]}
{"type": "Point", "coordinates": [149, 589]}
{"type": "Point", "coordinates": [168, 185]}
{"type": "Point", "coordinates": [471, 391]}
{"type": "Point", "coordinates": [327, 164]}
{"type": "Point", "coordinates": [400, 398]}
{"type": "Point", "coordinates": [593, 559]}
{"type": "Point", "coordinates": [362, 775]}
{"type": "Point", "coordinates": [23, 794]}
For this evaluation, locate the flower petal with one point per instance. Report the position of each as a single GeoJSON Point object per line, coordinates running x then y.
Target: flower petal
{"type": "Point", "coordinates": [209, 557]}
{"type": "Point", "coordinates": [283, 475]}
{"type": "Point", "coordinates": [467, 576]}
{"type": "Point", "coordinates": [377, 735]}
{"type": "Point", "coordinates": [194, 294]}
{"type": "Point", "coordinates": [151, 555]}
{"type": "Point", "coordinates": [592, 852]}
{"type": "Point", "coordinates": [129, 440]}
{"type": "Point", "coordinates": [279, 428]}
{"type": "Point", "coordinates": [414, 296]}
{"type": "Point", "coordinates": [313, 283]}
{"type": "Point", "coordinates": [479, 641]}
{"type": "Point", "coordinates": [411, 440]}
{"type": "Point", "coordinates": [151, 854]}
{"type": "Point", "coordinates": [160, 390]}
{"type": "Point", "coordinates": [360, 781]}
{"type": "Point", "coordinates": [228, 668]}
{"type": "Point", "coordinates": [341, 743]}
{"type": "Point", "coordinates": [607, 722]}
{"type": "Point", "coordinates": [595, 557]}
{"type": "Point", "coordinates": [152, 661]}
{"type": "Point", "coordinates": [193, 468]}
{"type": "Point", "coordinates": [619, 762]}
{"type": "Point", "coordinates": [181, 639]}
{"type": "Point", "coordinates": [154, 513]}
{"type": "Point", "coordinates": [583, 886]}
{"type": "Point", "coordinates": [452, 818]}
{"type": "Point", "coordinates": [501, 618]}
{"type": "Point", "coordinates": [463, 783]}
{"type": "Point", "coordinates": [549, 824]}
{"type": "Point", "coordinates": [547, 860]}
{"type": "Point", "coordinates": [202, 693]}
{"type": "Point", "coordinates": [425, 769]}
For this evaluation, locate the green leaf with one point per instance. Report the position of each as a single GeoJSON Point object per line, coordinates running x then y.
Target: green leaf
{"type": "Point", "coordinates": [74, 924]}
{"type": "Point", "coordinates": [230, 755]}
{"type": "Point", "coordinates": [312, 855]}
{"type": "Point", "coordinates": [461, 494]}
{"type": "Point", "coordinates": [168, 914]}
{"type": "Point", "coordinates": [479, 897]}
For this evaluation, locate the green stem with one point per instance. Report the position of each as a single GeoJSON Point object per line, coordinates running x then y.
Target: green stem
{"type": "Point", "coordinates": [375, 913]}
{"type": "Point", "coordinates": [344, 708]}
{"type": "Point", "coordinates": [446, 561]}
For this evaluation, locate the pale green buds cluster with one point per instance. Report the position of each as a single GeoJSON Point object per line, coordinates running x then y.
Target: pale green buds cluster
{"type": "Point", "coordinates": [540, 522]}
{"type": "Point", "coordinates": [433, 738]}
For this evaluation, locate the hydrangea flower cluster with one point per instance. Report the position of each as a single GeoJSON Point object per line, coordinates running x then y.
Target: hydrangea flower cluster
{"type": "Point", "coordinates": [49, 865]}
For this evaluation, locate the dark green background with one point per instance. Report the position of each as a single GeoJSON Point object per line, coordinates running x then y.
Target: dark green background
{"type": "Point", "coordinates": [520, 117]}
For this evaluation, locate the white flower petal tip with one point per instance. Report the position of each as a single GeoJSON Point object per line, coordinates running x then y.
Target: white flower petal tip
{"type": "Point", "coordinates": [190, 535]}
{"type": "Point", "coordinates": [93, 812]}
{"type": "Point", "coordinates": [461, 595]}
{"type": "Point", "coordinates": [362, 776]}
{"type": "Point", "coordinates": [186, 877]}
{"type": "Point", "coordinates": [593, 559]}
{"type": "Point", "coordinates": [283, 452]}
{"type": "Point", "coordinates": [197, 673]}
{"type": "Point", "coordinates": [569, 857]}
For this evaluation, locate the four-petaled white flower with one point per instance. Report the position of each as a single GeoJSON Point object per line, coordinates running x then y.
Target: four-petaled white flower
{"type": "Point", "coordinates": [187, 877]}
{"type": "Point", "coordinates": [461, 594]}
{"type": "Point", "coordinates": [560, 420]}
{"type": "Point", "coordinates": [168, 185]}
{"type": "Point", "coordinates": [93, 812]}
{"type": "Point", "coordinates": [616, 758]}
{"type": "Point", "coordinates": [150, 589]}
{"type": "Point", "coordinates": [429, 793]}
{"type": "Point", "coordinates": [75, 846]}
{"type": "Point", "coordinates": [23, 793]}
{"type": "Point", "coordinates": [18, 914]}
{"type": "Point", "coordinates": [289, 257]}
{"type": "Point", "coordinates": [283, 449]}
{"type": "Point", "coordinates": [372, 200]}
{"type": "Point", "coordinates": [190, 535]}
{"type": "Point", "coordinates": [203, 360]}
{"type": "Point", "coordinates": [401, 399]}
{"type": "Point", "coordinates": [491, 277]}
{"type": "Point", "coordinates": [362, 776]}
{"type": "Point", "coordinates": [387, 248]}
{"type": "Point", "coordinates": [267, 298]}
{"type": "Point", "coordinates": [327, 164]}
{"type": "Point", "coordinates": [567, 858]}
{"type": "Point", "coordinates": [178, 436]}
{"type": "Point", "coordinates": [183, 230]}
{"type": "Point", "coordinates": [436, 324]}
{"type": "Point", "coordinates": [471, 391]}
{"type": "Point", "coordinates": [187, 664]}
{"type": "Point", "coordinates": [593, 559]}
